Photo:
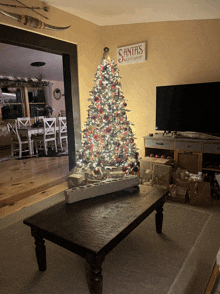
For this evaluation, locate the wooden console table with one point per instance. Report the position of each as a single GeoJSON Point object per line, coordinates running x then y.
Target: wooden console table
{"type": "Point", "coordinates": [92, 228]}
{"type": "Point", "coordinates": [195, 155]}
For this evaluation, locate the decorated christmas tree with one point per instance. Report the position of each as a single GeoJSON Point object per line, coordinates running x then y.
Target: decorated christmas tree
{"type": "Point", "coordinates": [107, 138]}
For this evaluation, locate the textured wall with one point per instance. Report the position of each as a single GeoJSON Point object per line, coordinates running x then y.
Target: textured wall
{"type": "Point", "coordinates": [178, 52]}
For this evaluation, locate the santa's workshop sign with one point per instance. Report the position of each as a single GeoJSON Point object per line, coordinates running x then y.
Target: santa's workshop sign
{"type": "Point", "coordinates": [131, 54]}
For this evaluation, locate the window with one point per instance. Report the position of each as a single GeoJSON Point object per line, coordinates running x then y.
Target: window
{"type": "Point", "coordinates": [11, 103]}
{"type": "Point", "coordinates": [36, 101]}
{"type": "Point", "coordinates": [21, 101]}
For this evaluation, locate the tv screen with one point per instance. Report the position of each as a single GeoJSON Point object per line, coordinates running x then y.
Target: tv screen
{"type": "Point", "coordinates": [191, 107]}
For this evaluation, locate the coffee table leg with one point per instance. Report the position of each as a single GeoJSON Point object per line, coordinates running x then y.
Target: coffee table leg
{"type": "Point", "coordinates": [95, 274]}
{"type": "Point", "coordinates": [159, 219]}
{"type": "Point", "coordinates": [40, 250]}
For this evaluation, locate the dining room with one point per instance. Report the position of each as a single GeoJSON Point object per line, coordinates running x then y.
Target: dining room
{"type": "Point", "coordinates": [33, 127]}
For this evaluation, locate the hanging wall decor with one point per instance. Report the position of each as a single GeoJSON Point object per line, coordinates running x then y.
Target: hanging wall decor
{"type": "Point", "coordinates": [32, 21]}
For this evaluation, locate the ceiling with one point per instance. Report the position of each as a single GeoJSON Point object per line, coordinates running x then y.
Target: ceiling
{"type": "Point", "coordinates": [15, 62]}
{"type": "Point", "coordinates": [117, 12]}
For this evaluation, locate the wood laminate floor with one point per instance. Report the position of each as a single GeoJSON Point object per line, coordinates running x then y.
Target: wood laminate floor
{"type": "Point", "coordinates": [20, 179]}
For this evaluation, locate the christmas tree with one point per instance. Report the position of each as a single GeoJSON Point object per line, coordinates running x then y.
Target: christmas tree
{"type": "Point", "coordinates": [107, 135]}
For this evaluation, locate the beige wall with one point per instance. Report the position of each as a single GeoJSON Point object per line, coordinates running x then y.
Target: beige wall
{"type": "Point", "coordinates": [57, 105]}
{"type": "Point", "coordinates": [177, 52]}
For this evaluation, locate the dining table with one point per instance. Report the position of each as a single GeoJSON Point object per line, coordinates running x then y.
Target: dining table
{"type": "Point", "coordinates": [29, 131]}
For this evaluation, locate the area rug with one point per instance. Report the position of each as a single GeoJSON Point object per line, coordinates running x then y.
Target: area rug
{"type": "Point", "coordinates": [143, 263]}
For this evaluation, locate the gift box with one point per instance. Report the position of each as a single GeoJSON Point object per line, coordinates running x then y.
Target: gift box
{"type": "Point", "coordinates": [199, 193]}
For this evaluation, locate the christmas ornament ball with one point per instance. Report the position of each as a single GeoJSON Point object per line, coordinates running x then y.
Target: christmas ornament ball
{"type": "Point", "coordinates": [124, 168]}
{"type": "Point", "coordinates": [106, 117]}
{"type": "Point", "coordinates": [91, 128]}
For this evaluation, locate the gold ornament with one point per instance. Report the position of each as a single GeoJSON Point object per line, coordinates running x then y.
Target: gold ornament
{"type": "Point", "coordinates": [106, 54]}
{"type": "Point", "coordinates": [91, 128]}
{"type": "Point", "coordinates": [121, 138]}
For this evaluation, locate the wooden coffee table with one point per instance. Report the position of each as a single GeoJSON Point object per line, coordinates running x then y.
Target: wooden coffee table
{"type": "Point", "coordinates": [92, 228]}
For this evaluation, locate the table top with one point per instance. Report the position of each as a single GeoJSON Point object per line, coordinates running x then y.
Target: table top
{"type": "Point", "coordinates": [96, 225]}
{"type": "Point", "coordinates": [32, 130]}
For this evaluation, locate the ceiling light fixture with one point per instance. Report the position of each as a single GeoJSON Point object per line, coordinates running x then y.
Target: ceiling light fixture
{"type": "Point", "coordinates": [39, 77]}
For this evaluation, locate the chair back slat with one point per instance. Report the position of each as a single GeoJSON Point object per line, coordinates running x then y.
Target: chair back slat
{"type": "Point", "coordinates": [13, 130]}
{"type": "Point", "coordinates": [49, 127]}
{"type": "Point", "coordinates": [62, 124]}
{"type": "Point", "coordinates": [23, 121]}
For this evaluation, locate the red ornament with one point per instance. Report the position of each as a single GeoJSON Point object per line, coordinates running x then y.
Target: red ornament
{"type": "Point", "coordinates": [124, 104]}
{"type": "Point", "coordinates": [124, 168]}
{"type": "Point", "coordinates": [97, 99]}
{"type": "Point", "coordinates": [108, 130]}
{"type": "Point", "coordinates": [131, 140]}
{"type": "Point", "coordinates": [95, 137]}
{"type": "Point", "coordinates": [100, 110]}
{"type": "Point", "coordinates": [106, 117]}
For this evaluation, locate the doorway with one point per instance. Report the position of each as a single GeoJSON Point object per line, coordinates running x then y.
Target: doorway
{"type": "Point", "coordinates": [68, 51]}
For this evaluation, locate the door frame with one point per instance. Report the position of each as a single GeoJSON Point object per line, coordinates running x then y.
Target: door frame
{"type": "Point", "coordinates": [19, 37]}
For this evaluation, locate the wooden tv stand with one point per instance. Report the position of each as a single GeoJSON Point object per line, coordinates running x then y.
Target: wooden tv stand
{"type": "Point", "coordinates": [196, 155]}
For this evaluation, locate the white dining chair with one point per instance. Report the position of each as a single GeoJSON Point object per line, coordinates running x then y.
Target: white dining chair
{"type": "Point", "coordinates": [49, 136]}
{"type": "Point", "coordinates": [23, 121]}
{"type": "Point", "coordinates": [18, 144]}
{"type": "Point", "coordinates": [62, 133]}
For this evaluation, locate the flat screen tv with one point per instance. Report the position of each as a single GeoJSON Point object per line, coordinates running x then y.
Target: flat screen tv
{"type": "Point", "coordinates": [189, 108]}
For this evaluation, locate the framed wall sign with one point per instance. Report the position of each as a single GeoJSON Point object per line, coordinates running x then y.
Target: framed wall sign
{"type": "Point", "coordinates": [131, 54]}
